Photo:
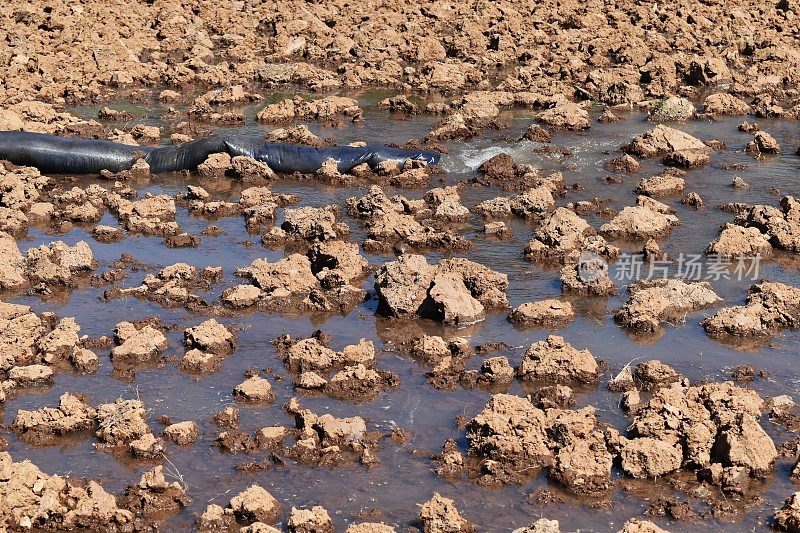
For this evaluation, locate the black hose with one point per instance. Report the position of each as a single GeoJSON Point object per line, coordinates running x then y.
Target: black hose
{"type": "Point", "coordinates": [60, 155]}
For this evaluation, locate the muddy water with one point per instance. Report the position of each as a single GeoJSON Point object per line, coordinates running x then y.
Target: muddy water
{"type": "Point", "coordinates": [405, 475]}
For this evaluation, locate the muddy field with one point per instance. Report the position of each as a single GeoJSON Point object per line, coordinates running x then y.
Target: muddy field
{"type": "Point", "coordinates": [587, 313]}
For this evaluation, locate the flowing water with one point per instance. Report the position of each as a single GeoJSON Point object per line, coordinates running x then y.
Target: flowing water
{"type": "Point", "coordinates": [405, 476]}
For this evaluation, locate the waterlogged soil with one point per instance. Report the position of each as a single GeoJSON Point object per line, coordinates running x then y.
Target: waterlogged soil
{"type": "Point", "coordinates": [405, 475]}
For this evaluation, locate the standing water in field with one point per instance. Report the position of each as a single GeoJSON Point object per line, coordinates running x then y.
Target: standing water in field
{"type": "Point", "coordinates": [272, 318]}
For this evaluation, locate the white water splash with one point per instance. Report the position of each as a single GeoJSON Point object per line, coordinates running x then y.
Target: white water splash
{"type": "Point", "coordinates": [469, 159]}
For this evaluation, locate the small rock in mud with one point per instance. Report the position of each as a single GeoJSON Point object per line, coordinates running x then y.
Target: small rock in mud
{"type": "Point", "coordinates": [553, 397]}
{"type": "Point", "coordinates": [535, 202]}
{"type": "Point", "coordinates": [312, 355]}
{"type": "Point", "coordinates": [498, 230]}
{"type": "Point", "coordinates": [21, 330]}
{"type": "Point", "coordinates": [639, 223]}
{"type": "Point", "coordinates": [200, 362]}
{"type": "Point", "coordinates": [781, 225]}
{"type": "Point", "coordinates": [654, 205]}
{"type": "Point", "coordinates": [326, 110]}
{"type": "Point", "coordinates": [649, 458]}
{"type": "Point", "coordinates": [70, 504]}
{"type": "Point", "coordinates": [763, 143]}
{"type": "Point", "coordinates": [289, 285]}
{"type": "Point", "coordinates": [739, 183]}
{"type": "Point", "coordinates": [182, 240]}
{"type": "Point", "coordinates": [725, 104]}
{"type": "Point", "coordinates": [746, 444]}
{"type": "Point", "coordinates": [314, 520]}
{"type": "Point", "coordinates": [494, 373]}
{"type": "Point", "coordinates": [312, 224]}
{"type": "Point", "coordinates": [503, 172]}
{"type": "Point", "coordinates": [214, 166]}
{"type": "Point", "coordinates": [235, 441]}
{"type": "Point", "coordinates": [270, 437]}
{"type": "Point", "coordinates": [663, 140]}
{"type": "Point", "coordinates": [563, 232]}
{"type": "Point", "coordinates": [329, 440]}
{"type": "Point", "coordinates": [107, 234]}
{"type": "Point", "coordinates": [182, 433]}
{"type": "Point", "coordinates": [636, 525]}
{"type": "Point", "coordinates": [511, 431]}
{"type": "Point", "coordinates": [153, 496]}
{"type": "Point", "coordinates": [450, 463]}
{"type": "Point", "coordinates": [370, 527]}
{"type": "Point", "coordinates": [770, 306]}
{"type": "Point", "coordinates": [73, 413]}
{"type": "Point", "coordinates": [308, 355]}
{"type": "Point", "coordinates": [743, 374]}
{"type": "Point", "coordinates": [210, 336]}
{"type": "Point", "coordinates": [555, 360]}
{"type": "Point", "coordinates": [12, 268]}
{"type": "Point", "coordinates": [137, 345]}
{"type": "Point", "coordinates": [608, 117]}
{"type": "Point", "coordinates": [432, 350]}
{"type": "Point", "coordinates": [310, 380]}
{"type": "Point", "coordinates": [671, 109]}
{"type": "Point", "coordinates": [788, 517]}
{"type": "Point", "coordinates": [242, 296]}
{"type": "Point", "coordinates": [359, 382]}
{"type": "Point", "coordinates": [173, 285]}
{"type": "Point", "coordinates": [227, 417]}
{"type": "Point", "coordinates": [735, 241]}
{"type": "Point", "coordinates": [297, 134]}
{"type": "Point", "coordinates": [248, 169]}
{"type": "Point", "coordinates": [215, 518]}
{"type": "Point", "coordinates": [543, 525]}
{"type": "Point", "coordinates": [781, 407]}
{"type": "Point", "coordinates": [538, 134]}
{"type": "Point", "coordinates": [652, 374]}
{"type": "Point", "coordinates": [85, 361]}
{"type": "Point", "coordinates": [455, 291]}
{"type": "Point", "coordinates": [548, 313]}
{"type": "Point", "coordinates": [499, 168]}
{"type": "Point", "coordinates": [399, 104]}
{"type": "Point", "coordinates": [717, 425]}
{"type": "Point", "coordinates": [254, 389]}
{"type": "Point", "coordinates": [693, 200]}
{"type": "Point", "coordinates": [147, 447]}
{"type": "Point", "coordinates": [151, 215]}
{"type": "Point", "coordinates": [503, 207]}
{"type": "Point", "coordinates": [623, 163]}
{"type": "Point", "coordinates": [439, 515]}
{"type": "Point", "coordinates": [255, 504]}
{"type": "Point", "coordinates": [584, 465]}
{"type": "Point", "coordinates": [453, 301]}
{"type": "Point", "coordinates": [671, 182]}
{"type": "Point", "coordinates": [121, 422]}
{"type": "Point", "coordinates": [337, 257]}
{"type": "Point", "coordinates": [57, 263]}
{"type": "Point", "coordinates": [30, 374]}
{"type": "Point", "coordinates": [567, 116]}
{"type": "Point", "coordinates": [653, 302]}
{"type": "Point", "coordinates": [586, 273]}
{"type": "Point", "coordinates": [688, 158]}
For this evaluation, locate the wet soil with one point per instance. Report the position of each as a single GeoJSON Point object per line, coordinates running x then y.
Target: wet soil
{"type": "Point", "coordinates": [399, 474]}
